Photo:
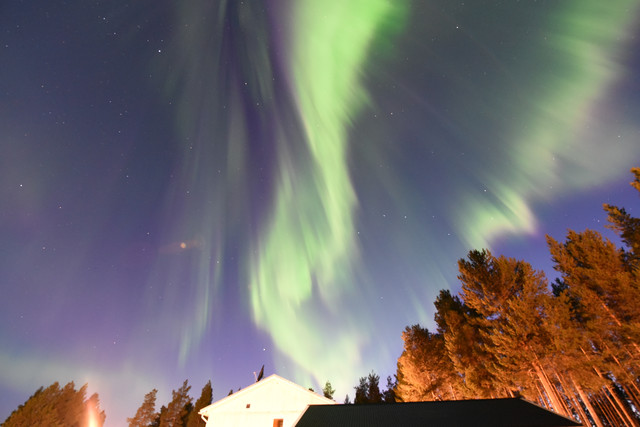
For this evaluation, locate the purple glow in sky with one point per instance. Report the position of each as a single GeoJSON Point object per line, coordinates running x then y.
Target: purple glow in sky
{"type": "Point", "coordinates": [195, 189]}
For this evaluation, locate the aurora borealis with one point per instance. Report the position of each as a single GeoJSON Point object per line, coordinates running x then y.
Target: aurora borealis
{"type": "Point", "coordinates": [194, 189]}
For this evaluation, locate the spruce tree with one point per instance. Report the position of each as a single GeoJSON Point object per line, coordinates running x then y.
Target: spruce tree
{"type": "Point", "coordinates": [510, 298]}
{"type": "Point", "coordinates": [598, 278]}
{"type": "Point", "coordinates": [627, 227]}
{"type": "Point", "coordinates": [162, 413]}
{"type": "Point", "coordinates": [178, 408]}
{"type": "Point", "coordinates": [465, 335]}
{"type": "Point", "coordinates": [374, 395]}
{"type": "Point", "coordinates": [328, 390]}
{"type": "Point", "coordinates": [446, 303]}
{"type": "Point", "coordinates": [146, 413]}
{"type": "Point", "coordinates": [204, 400]}
{"type": "Point", "coordinates": [389, 395]}
{"type": "Point", "coordinates": [361, 391]}
{"type": "Point", "coordinates": [56, 406]}
{"type": "Point", "coordinates": [425, 371]}
{"type": "Point", "coordinates": [368, 389]}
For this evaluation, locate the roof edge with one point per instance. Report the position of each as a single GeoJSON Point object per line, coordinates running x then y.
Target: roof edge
{"type": "Point", "coordinates": [256, 385]}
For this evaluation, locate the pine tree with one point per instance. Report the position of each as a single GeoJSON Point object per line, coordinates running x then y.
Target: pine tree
{"type": "Point", "coordinates": [466, 346]}
{"type": "Point", "coordinates": [597, 276]}
{"type": "Point", "coordinates": [374, 395]}
{"type": "Point", "coordinates": [39, 407]}
{"type": "Point", "coordinates": [389, 395]}
{"type": "Point", "coordinates": [178, 408]}
{"type": "Point", "coordinates": [162, 413]}
{"type": "Point", "coordinates": [510, 298]}
{"type": "Point", "coordinates": [204, 400]}
{"type": "Point", "coordinates": [424, 368]}
{"type": "Point", "coordinates": [368, 389]}
{"type": "Point", "coordinates": [328, 391]}
{"type": "Point", "coordinates": [627, 227]}
{"type": "Point", "coordinates": [94, 416]}
{"type": "Point", "coordinates": [446, 303]}
{"type": "Point", "coordinates": [361, 391]}
{"type": "Point", "coordinates": [56, 406]}
{"type": "Point", "coordinates": [567, 341]}
{"type": "Point", "coordinates": [146, 413]}
{"type": "Point", "coordinates": [575, 351]}
{"type": "Point", "coordinates": [187, 409]}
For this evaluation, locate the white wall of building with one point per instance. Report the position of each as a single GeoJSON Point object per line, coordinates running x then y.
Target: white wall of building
{"type": "Point", "coordinates": [261, 403]}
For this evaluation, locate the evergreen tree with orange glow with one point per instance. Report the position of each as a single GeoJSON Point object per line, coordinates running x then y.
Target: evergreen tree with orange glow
{"type": "Point", "coordinates": [58, 406]}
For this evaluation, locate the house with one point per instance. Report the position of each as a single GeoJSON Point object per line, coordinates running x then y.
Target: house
{"type": "Point", "coordinates": [275, 401]}
{"type": "Point", "coordinates": [512, 412]}
{"type": "Point", "coordinates": [272, 401]}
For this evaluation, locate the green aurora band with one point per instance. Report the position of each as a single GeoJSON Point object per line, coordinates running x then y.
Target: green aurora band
{"type": "Point", "coordinates": [552, 152]}
{"type": "Point", "coordinates": [301, 271]}
{"type": "Point", "coordinates": [307, 251]}
{"type": "Point", "coordinates": [302, 264]}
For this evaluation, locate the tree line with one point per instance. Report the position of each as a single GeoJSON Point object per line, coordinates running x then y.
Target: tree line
{"type": "Point", "coordinates": [180, 412]}
{"type": "Point", "coordinates": [571, 347]}
{"type": "Point", "coordinates": [57, 406]}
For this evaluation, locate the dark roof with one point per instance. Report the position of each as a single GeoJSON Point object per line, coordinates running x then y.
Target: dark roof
{"type": "Point", "coordinates": [513, 412]}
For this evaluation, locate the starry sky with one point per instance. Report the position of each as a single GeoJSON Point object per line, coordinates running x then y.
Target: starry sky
{"type": "Point", "coordinates": [195, 189]}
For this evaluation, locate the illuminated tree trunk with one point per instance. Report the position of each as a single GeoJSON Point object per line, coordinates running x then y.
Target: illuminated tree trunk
{"type": "Point", "coordinates": [541, 397]}
{"type": "Point", "coordinates": [615, 407]}
{"type": "Point", "coordinates": [550, 391]}
{"type": "Point", "coordinates": [587, 402]}
{"type": "Point", "coordinates": [571, 397]}
{"type": "Point", "coordinates": [605, 408]}
{"type": "Point", "coordinates": [623, 407]}
{"type": "Point", "coordinates": [631, 388]}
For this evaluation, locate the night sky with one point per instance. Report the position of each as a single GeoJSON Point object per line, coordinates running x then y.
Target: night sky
{"type": "Point", "coordinates": [192, 189]}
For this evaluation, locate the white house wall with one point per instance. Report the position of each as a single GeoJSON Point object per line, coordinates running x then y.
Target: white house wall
{"type": "Point", "coordinates": [260, 404]}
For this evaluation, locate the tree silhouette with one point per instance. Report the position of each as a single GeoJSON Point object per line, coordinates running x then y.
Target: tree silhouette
{"type": "Point", "coordinates": [178, 408]}
{"type": "Point", "coordinates": [58, 406]}
{"type": "Point", "coordinates": [328, 391]}
{"type": "Point", "coordinates": [146, 413]}
{"type": "Point", "coordinates": [205, 398]}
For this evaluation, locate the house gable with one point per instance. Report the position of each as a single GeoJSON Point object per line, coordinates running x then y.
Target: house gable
{"type": "Point", "coordinates": [273, 398]}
